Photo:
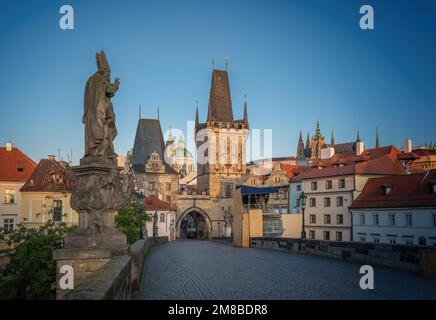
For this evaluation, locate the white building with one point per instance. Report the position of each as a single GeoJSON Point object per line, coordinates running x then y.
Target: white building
{"type": "Point", "coordinates": [165, 218]}
{"type": "Point", "coordinates": [397, 210]}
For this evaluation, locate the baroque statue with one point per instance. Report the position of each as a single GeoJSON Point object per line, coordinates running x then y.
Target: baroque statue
{"type": "Point", "coordinates": [99, 116]}
{"type": "Point", "coordinates": [101, 190]}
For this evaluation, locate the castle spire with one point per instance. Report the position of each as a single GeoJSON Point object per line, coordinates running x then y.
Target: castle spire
{"type": "Point", "coordinates": [377, 140]}
{"type": "Point", "coordinates": [332, 140]}
{"type": "Point", "coordinates": [226, 61]}
{"type": "Point", "coordinates": [318, 131]}
{"type": "Point", "coordinates": [300, 147]}
{"type": "Point", "coordinates": [140, 112]}
{"type": "Point", "coordinates": [158, 116]}
{"type": "Point", "coordinates": [308, 141]}
{"type": "Point", "coordinates": [358, 136]}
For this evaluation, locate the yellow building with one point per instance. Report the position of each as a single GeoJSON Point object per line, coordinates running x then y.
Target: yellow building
{"type": "Point", "coordinates": [46, 194]}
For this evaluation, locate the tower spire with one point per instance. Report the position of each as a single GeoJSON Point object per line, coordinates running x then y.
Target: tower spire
{"type": "Point", "coordinates": [245, 110]}
{"type": "Point", "coordinates": [308, 141]}
{"type": "Point", "coordinates": [300, 147]}
{"type": "Point", "coordinates": [377, 140]}
{"type": "Point", "coordinates": [158, 115]}
{"type": "Point", "coordinates": [213, 63]}
{"type": "Point", "coordinates": [358, 136]}
{"type": "Point", "coordinates": [332, 140]}
{"type": "Point", "coordinates": [139, 111]}
{"type": "Point", "coordinates": [196, 113]}
{"type": "Point", "coordinates": [226, 61]}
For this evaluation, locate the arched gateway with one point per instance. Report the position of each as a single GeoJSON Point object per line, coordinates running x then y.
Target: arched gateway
{"type": "Point", "coordinates": [193, 223]}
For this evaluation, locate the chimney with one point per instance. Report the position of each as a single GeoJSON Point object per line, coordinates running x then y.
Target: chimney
{"type": "Point", "coordinates": [51, 157]}
{"type": "Point", "coordinates": [327, 153]}
{"type": "Point", "coordinates": [9, 146]}
{"type": "Point", "coordinates": [407, 146]}
{"type": "Point", "coordinates": [360, 147]}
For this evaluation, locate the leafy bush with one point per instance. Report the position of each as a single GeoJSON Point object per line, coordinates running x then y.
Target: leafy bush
{"type": "Point", "coordinates": [31, 271]}
{"type": "Point", "coordinates": [127, 221]}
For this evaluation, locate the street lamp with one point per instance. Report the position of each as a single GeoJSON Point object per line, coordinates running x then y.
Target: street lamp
{"type": "Point", "coordinates": [303, 206]}
{"type": "Point", "coordinates": [140, 201]}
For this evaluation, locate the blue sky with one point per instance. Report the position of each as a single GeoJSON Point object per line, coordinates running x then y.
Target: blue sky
{"type": "Point", "coordinates": [299, 62]}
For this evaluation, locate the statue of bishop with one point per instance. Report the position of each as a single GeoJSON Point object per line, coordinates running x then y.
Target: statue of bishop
{"type": "Point", "coordinates": [99, 116]}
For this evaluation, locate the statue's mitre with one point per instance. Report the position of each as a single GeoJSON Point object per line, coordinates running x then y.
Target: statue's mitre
{"type": "Point", "coordinates": [102, 61]}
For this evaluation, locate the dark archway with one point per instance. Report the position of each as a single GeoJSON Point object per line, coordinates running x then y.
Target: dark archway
{"type": "Point", "coordinates": [193, 226]}
{"type": "Point", "coordinates": [194, 223]}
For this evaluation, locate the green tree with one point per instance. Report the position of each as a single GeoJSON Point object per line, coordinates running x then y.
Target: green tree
{"type": "Point", "coordinates": [128, 220]}
{"type": "Point", "coordinates": [31, 272]}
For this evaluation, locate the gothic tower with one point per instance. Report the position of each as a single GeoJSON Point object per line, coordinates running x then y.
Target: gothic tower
{"type": "Point", "coordinates": [300, 148]}
{"type": "Point", "coordinates": [221, 161]}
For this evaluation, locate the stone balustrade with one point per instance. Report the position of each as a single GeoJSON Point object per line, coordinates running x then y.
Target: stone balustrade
{"type": "Point", "coordinates": [402, 257]}
{"type": "Point", "coordinates": [117, 278]}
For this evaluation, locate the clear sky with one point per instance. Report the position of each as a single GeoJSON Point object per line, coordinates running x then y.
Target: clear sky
{"type": "Point", "coordinates": [299, 62]}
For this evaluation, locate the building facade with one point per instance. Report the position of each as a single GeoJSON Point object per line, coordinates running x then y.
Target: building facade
{"type": "Point", "coordinates": [153, 174]}
{"type": "Point", "coordinates": [397, 210]}
{"type": "Point", "coordinates": [15, 169]}
{"type": "Point", "coordinates": [46, 194]}
{"type": "Point", "coordinates": [161, 218]}
{"type": "Point", "coordinates": [333, 185]}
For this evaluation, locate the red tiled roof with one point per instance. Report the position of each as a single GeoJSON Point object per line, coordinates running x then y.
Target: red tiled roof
{"type": "Point", "coordinates": [155, 204]}
{"type": "Point", "coordinates": [414, 190]}
{"type": "Point", "coordinates": [15, 165]}
{"type": "Point", "coordinates": [292, 170]}
{"type": "Point", "coordinates": [42, 180]}
{"type": "Point", "coordinates": [372, 161]}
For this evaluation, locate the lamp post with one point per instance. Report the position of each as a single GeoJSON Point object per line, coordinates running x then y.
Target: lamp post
{"type": "Point", "coordinates": [303, 206]}
{"type": "Point", "coordinates": [140, 200]}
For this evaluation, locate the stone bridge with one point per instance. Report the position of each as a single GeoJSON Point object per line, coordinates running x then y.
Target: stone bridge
{"type": "Point", "coordinates": [193, 269]}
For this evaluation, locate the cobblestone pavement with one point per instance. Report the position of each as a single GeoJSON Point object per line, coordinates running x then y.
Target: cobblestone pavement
{"type": "Point", "coordinates": [189, 269]}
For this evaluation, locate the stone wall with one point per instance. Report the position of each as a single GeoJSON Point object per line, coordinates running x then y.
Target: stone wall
{"type": "Point", "coordinates": [410, 258]}
{"type": "Point", "coordinates": [117, 278]}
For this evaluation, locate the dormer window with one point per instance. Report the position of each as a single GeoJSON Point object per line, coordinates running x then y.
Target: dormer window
{"type": "Point", "coordinates": [386, 189]}
{"type": "Point", "coordinates": [58, 178]}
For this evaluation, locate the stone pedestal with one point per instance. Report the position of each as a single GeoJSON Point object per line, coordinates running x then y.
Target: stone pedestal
{"type": "Point", "coordinates": [99, 195]}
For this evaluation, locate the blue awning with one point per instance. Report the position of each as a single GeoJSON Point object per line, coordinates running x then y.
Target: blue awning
{"type": "Point", "coordinates": [249, 190]}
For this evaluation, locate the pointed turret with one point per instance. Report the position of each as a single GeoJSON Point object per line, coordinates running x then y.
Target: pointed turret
{"type": "Point", "coordinates": [318, 131]}
{"type": "Point", "coordinates": [332, 140]}
{"type": "Point", "coordinates": [300, 147]}
{"type": "Point", "coordinates": [358, 136]}
{"type": "Point", "coordinates": [308, 141]}
{"type": "Point", "coordinates": [377, 140]}
{"type": "Point", "coordinates": [196, 117]}
{"type": "Point", "coordinates": [245, 112]}
{"type": "Point", "coordinates": [170, 139]}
